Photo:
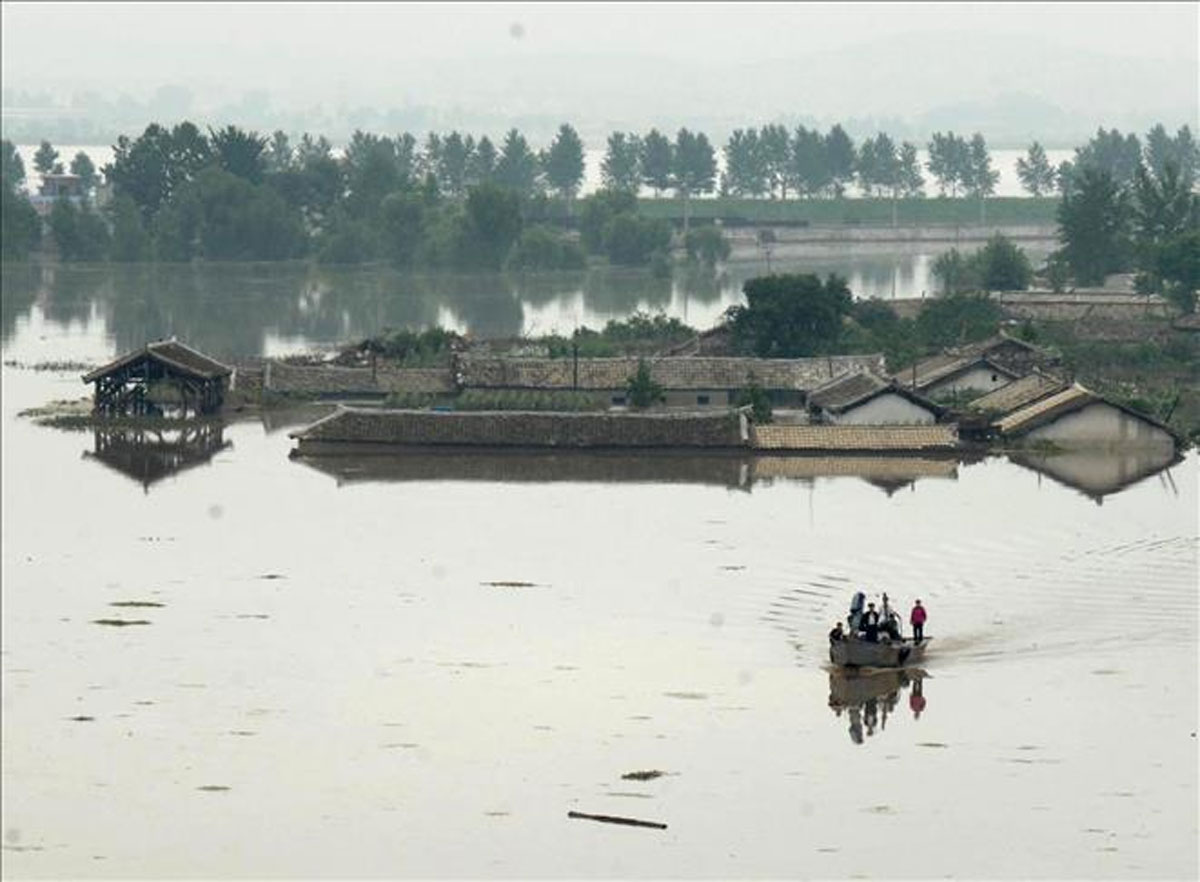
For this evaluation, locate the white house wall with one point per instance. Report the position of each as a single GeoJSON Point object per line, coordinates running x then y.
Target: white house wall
{"type": "Point", "coordinates": [1101, 424]}
{"type": "Point", "coordinates": [886, 410]}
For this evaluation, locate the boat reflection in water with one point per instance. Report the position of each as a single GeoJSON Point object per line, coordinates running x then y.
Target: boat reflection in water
{"type": "Point", "coordinates": [869, 697]}
{"type": "Point", "coordinates": [148, 453]}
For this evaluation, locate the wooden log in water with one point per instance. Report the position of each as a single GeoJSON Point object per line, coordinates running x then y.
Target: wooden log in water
{"type": "Point", "coordinates": [614, 819]}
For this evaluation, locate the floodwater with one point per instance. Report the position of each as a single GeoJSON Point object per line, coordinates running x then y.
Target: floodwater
{"type": "Point", "coordinates": [219, 662]}
{"type": "Point", "coordinates": [282, 308]}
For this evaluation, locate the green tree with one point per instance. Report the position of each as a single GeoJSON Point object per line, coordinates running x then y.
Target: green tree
{"type": "Point", "coordinates": [153, 167]}
{"type": "Point", "coordinates": [631, 240]}
{"type": "Point", "coordinates": [789, 316]}
{"type": "Point", "coordinates": [1094, 226]}
{"type": "Point", "coordinates": [402, 223]}
{"type": "Point", "coordinates": [694, 169]}
{"type": "Point", "coordinates": [45, 159]}
{"type": "Point", "coordinates": [370, 171]}
{"type": "Point", "coordinates": [810, 164]}
{"type": "Point", "coordinates": [82, 165]}
{"type": "Point", "coordinates": [707, 245]}
{"type": "Point", "coordinates": [957, 319]}
{"type": "Point", "coordinates": [754, 396]}
{"type": "Point", "coordinates": [981, 178]}
{"type": "Point", "coordinates": [949, 162]}
{"type": "Point", "coordinates": [1034, 170]}
{"type": "Point", "coordinates": [1177, 263]}
{"type": "Point", "coordinates": [656, 161]}
{"type": "Point", "coordinates": [131, 242]}
{"type": "Point", "coordinates": [621, 167]}
{"type": "Point", "coordinates": [517, 167]}
{"type": "Point", "coordinates": [78, 232]}
{"type": "Point", "coordinates": [22, 228]}
{"type": "Point", "coordinates": [643, 390]}
{"type": "Point", "coordinates": [1003, 266]}
{"type": "Point", "coordinates": [279, 154]}
{"type": "Point", "coordinates": [776, 151]}
{"type": "Point", "coordinates": [541, 248]}
{"type": "Point", "coordinates": [745, 164]}
{"type": "Point", "coordinates": [238, 220]}
{"type": "Point", "coordinates": [911, 181]}
{"type": "Point", "coordinates": [454, 162]}
{"type": "Point", "coordinates": [600, 208]}
{"type": "Point", "coordinates": [493, 215]}
{"type": "Point", "coordinates": [1110, 152]}
{"type": "Point", "coordinates": [12, 168]}
{"type": "Point", "coordinates": [563, 162]}
{"type": "Point", "coordinates": [956, 273]}
{"type": "Point", "coordinates": [1181, 151]}
{"type": "Point", "coordinates": [841, 159]}
{"type": "Point", "coordinates": [239, 152]}
{"type": "Point", "coordinates": [481, 168]}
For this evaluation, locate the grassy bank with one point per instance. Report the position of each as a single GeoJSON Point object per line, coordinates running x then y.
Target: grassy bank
{"type": "Point", "coordinates": [1014, 211]}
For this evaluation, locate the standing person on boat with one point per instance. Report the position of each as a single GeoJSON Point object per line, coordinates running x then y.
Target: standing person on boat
{"type": "Point", "coordinates": [856, 611]}
{"type": "Point", "coordinates": [917, 620]}
{"type": "Point", "coordinates": [870, 623]}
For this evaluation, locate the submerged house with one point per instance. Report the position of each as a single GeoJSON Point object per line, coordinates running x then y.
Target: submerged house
{"type": "Point", "coordinates": [1018, 394]}
{"type": "Point", "coordinates": [865, 399]}
{"type": "Point", "coordinates": [1077, 417]}
{"type": "Point", "coordinates": [687, 382]}
{"type": "Point", "coordinates": [160, 376]}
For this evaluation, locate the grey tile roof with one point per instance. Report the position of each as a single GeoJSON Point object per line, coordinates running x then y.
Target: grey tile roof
{"type": "Point", "coordinates": [855, 438]}
{"type": "Point", "coordinates": [172, 353]}
{"type": "Point", "coordinates": [846, 390]}
{"type": "Point", "coordinates": [332, 380]}
{"type": "Point", "coordinates": [672, 373]}
{"type": "Point", "coordinates": [936, 368]}
{"type": "Point", "coordinates": [1046, 410]}
{"type": "Point", "coordinates": [1018, 393]}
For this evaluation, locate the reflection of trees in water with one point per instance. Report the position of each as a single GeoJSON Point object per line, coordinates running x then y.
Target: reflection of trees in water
{"type": "Point", "coordinates": [619, 292]}
{"type": "Point", "coordinates": [701, 284]}
{"type": "Point", "coordinates": [19, 285]}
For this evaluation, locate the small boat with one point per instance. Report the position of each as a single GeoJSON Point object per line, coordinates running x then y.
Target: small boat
{"type": "Point", "coordinates": [853, 652]}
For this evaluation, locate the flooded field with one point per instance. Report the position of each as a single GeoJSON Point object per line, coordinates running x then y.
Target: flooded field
{"type": "Point", "coordinates": [237, 665]}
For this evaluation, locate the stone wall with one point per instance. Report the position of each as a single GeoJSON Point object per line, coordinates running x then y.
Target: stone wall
{"type": "Point", "coordinates": [521, 429]}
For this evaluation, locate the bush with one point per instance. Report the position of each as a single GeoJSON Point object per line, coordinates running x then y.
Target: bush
{"type": "Point", "coordinates": [630, 240]}
{"type": "Point", "coordinates": [540, 248]}
{"type": "Point", "coordinates": [706, 244]}
{"type": "Point", "coordinates": [643, 391]}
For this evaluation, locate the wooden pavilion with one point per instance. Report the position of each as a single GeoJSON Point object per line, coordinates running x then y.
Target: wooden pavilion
{"type": "Point", "coordinates": [160, 375]}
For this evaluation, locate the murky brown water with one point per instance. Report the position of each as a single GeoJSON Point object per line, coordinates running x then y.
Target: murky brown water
{"type": "Point", "coordinates": [417, 669]}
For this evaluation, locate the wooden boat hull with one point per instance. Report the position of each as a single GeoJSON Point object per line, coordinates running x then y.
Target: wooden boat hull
{"type": "Point", "coordinates": [854, 653]}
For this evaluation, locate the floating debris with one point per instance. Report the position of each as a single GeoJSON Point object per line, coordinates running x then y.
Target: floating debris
{"type": "Point", "coordinates": [931, 744]}
{"type": "Point", "coordinates": [272, 576]}
{"type": "Point", "coordinates": [137, 603]}
{"type": "Point", "coordinates": [213, 788]}
{"type": "Point", "coordinates": [648, 775]}
{"type": "Point", "coordinates": [615, 819]}
{"type": "Point", "coordinates": [502, 584]}
{"type": "Point", "coordinates": [120, 623]}
{"type": "Point", "coordinates": [691, 696]}
{"type": "Point", "coordinates": [82, 719]}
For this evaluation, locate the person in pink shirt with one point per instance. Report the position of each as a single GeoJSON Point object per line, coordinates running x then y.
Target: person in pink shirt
{"type": "Point", "coordinates": [917, 620]}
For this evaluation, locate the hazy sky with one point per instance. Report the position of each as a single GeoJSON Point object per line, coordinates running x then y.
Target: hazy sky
{"type": "Point", "coordinates": [849, 58]}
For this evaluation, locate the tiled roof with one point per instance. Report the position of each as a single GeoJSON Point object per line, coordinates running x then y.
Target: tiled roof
{"type": "Point", "coordinates": [855, 438]}
{"type": "Point", "coordinates": [1018, 394]}
{"type": "Point", "coordinates": [846, 390]}
{"type": "Point", "coordinates": [942, 367]}
{"type": "Point", "coordinates": [171, 352]}
{"type": "Point", "coordinates": [682, 373]}
{"type": "Point", "coordinates": [332, 380]}
{"type": "Point", "coordinates": [1039, 413]}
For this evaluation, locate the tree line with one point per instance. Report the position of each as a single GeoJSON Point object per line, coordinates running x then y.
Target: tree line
{"type": "Point", "coordinates": [454, 200]}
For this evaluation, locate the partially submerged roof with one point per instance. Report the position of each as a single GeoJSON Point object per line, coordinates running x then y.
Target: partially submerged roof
{"type": "Point", "coordinates": [1074, 398]}
{"type": "Point", "coordinates": [853, 390]}
{"type": "Point", "coordinates": [672, 373]}
{"type": "Point", "coordinates": [855, 438]}
{"type": "Point", "coordinates": [1019, 393]}
{"type": "Point", "coordinates": [172, 353]}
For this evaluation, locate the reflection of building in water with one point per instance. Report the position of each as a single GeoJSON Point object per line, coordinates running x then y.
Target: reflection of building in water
{"type": "Point", "coordinates": [149, 454]}
{"type": "Point", "coordinates": [722, 469]}
{"type": "Point", "coordinates": [869, 698]}
{"type": "Point", "coordinates": [1100, 473]}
